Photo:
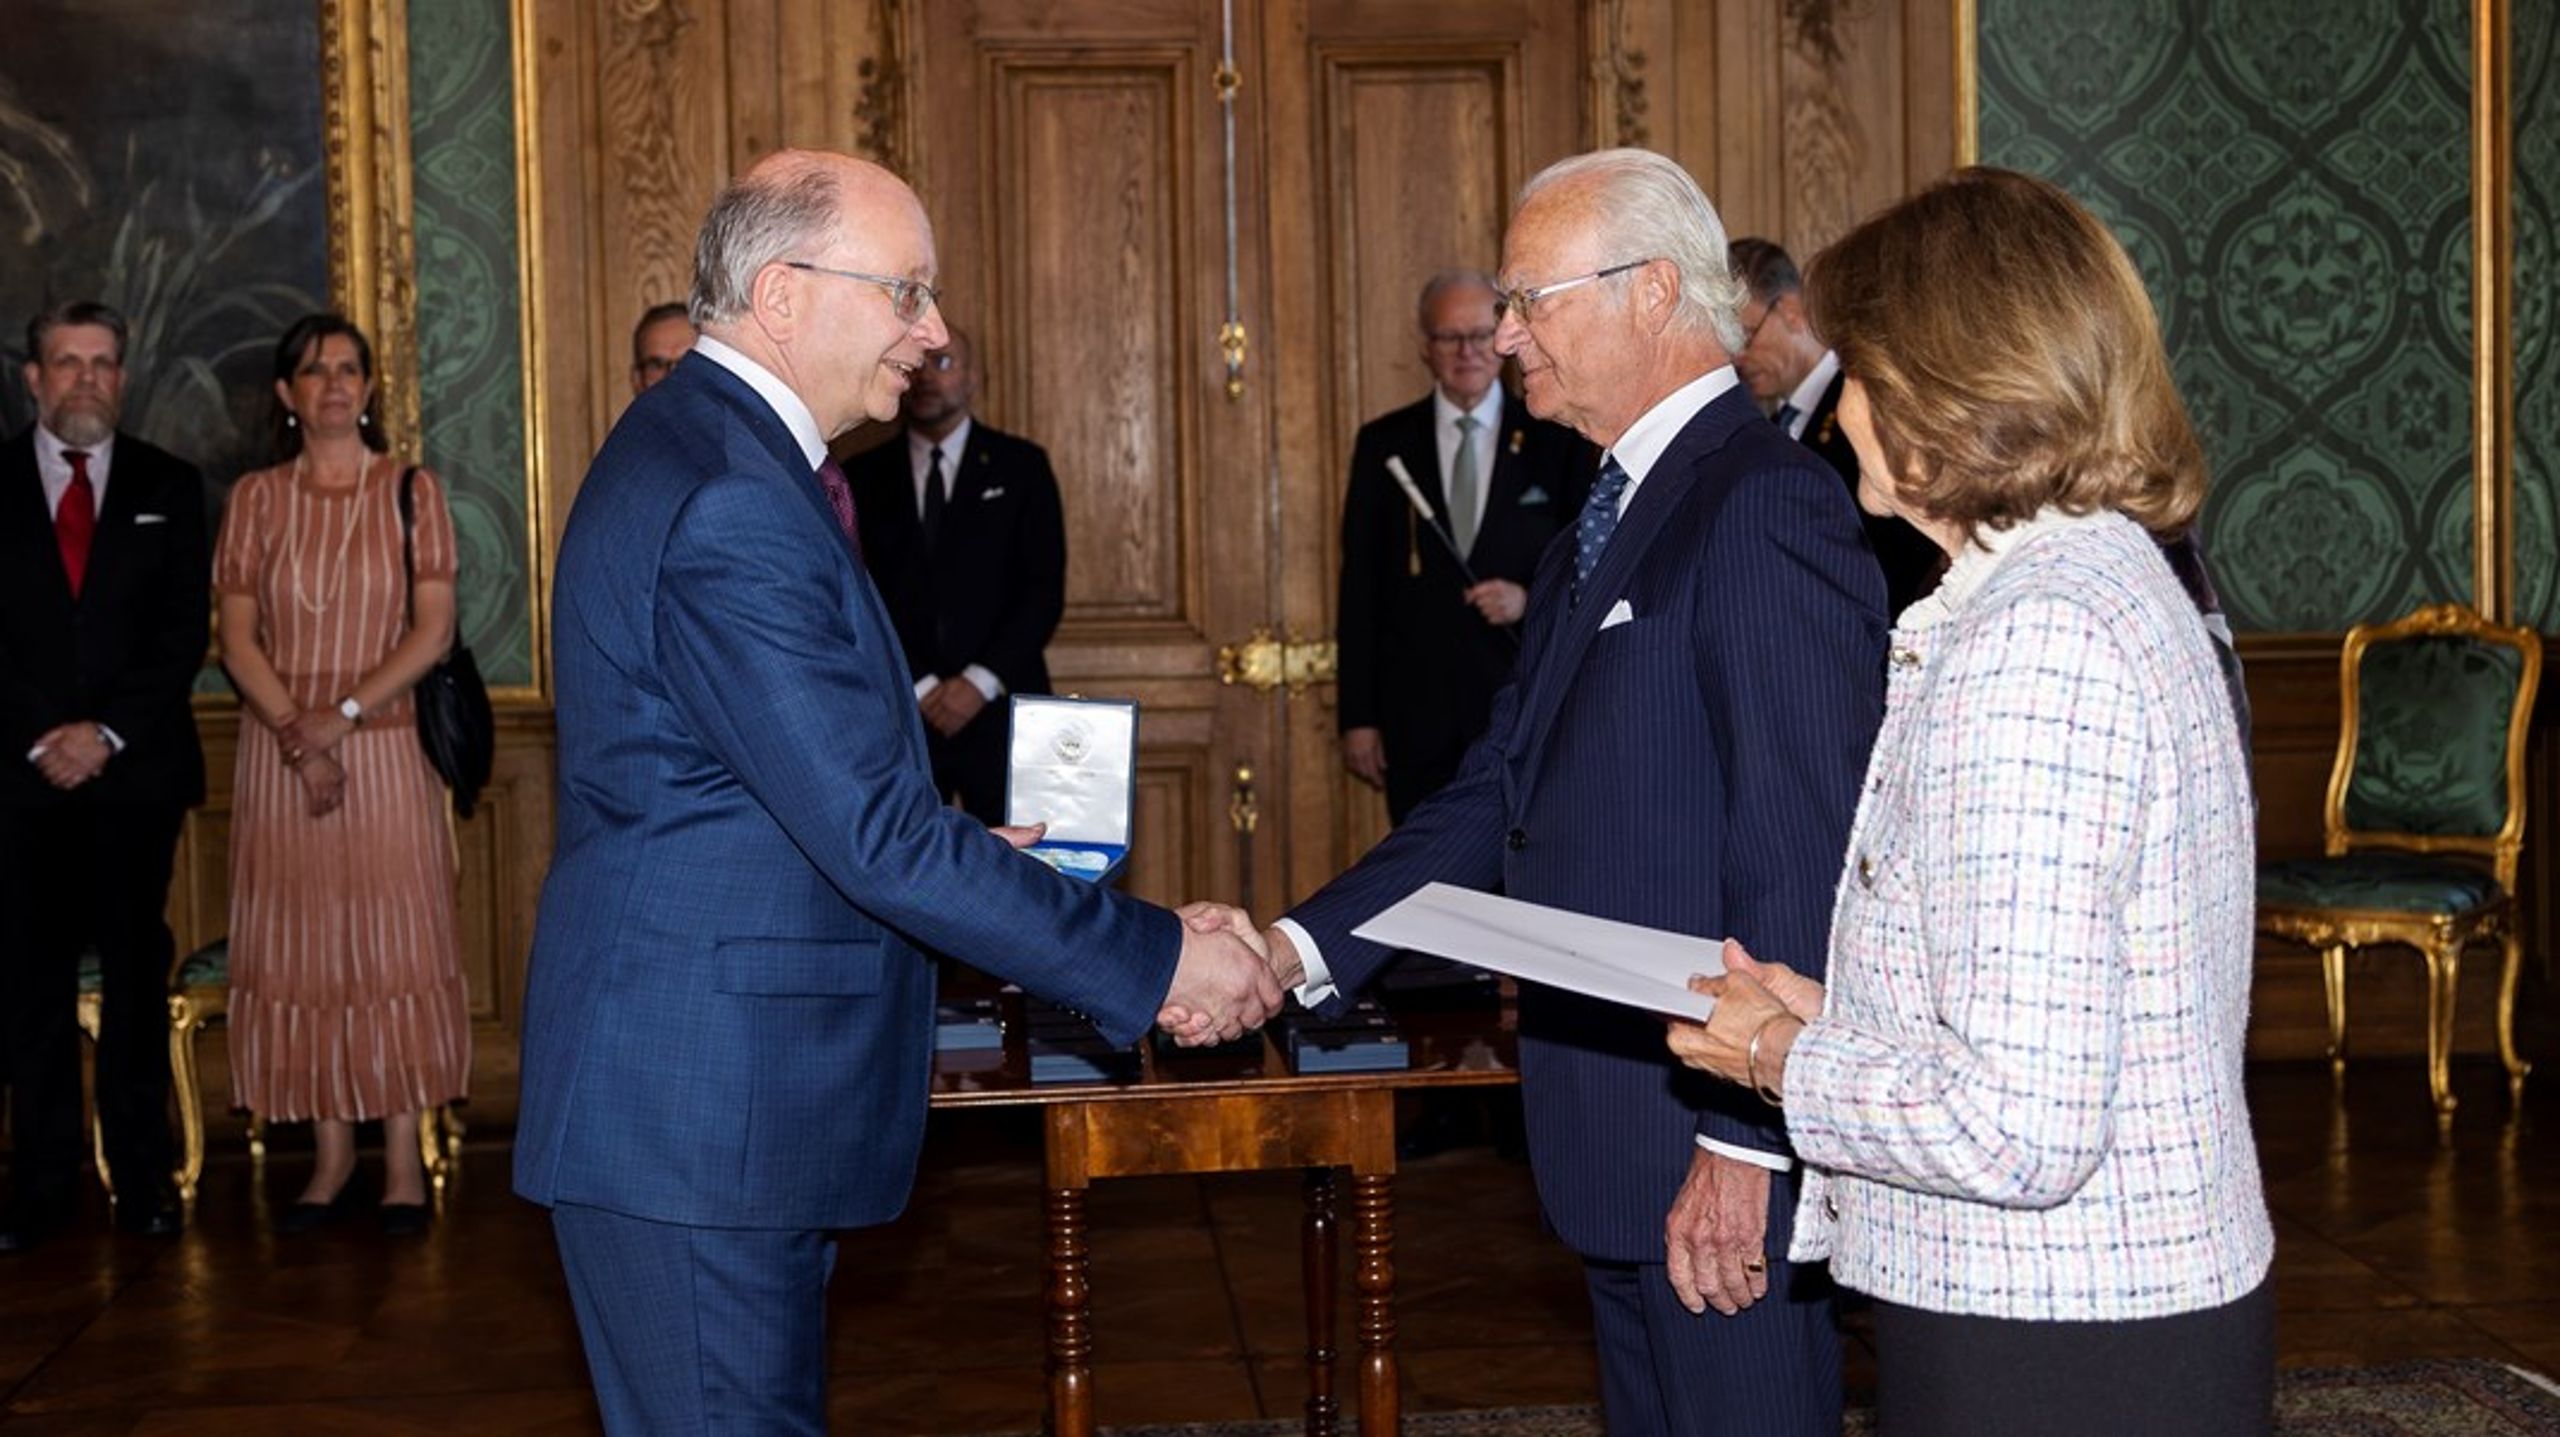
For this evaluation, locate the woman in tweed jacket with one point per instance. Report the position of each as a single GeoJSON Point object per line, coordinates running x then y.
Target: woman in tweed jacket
{"type": "Point", "coordinates": [2020, 1100]}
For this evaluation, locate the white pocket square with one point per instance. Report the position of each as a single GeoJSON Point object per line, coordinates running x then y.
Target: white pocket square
{"type": "Point", "coordinates": [1619, 613]}
{"type": "Point", "coordinates": [995, 493]}
{"type": "Point", "coordinates": [151, 518]}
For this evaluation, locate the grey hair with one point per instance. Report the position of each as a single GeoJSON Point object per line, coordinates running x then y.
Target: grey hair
{"type": "Point", "coordinates": [1447, 280]}
{"type": "Point", "coordinates": [756, 222]}
{"type": "Point", "coordinates": [1647, 207]}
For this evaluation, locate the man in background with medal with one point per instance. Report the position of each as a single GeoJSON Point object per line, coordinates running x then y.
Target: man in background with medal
{"type": "Point", "coordinates": [1425, 624]}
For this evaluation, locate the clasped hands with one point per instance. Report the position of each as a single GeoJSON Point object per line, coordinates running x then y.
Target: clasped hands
{"type": "Point", "coordinates": [309, 741]}
{"type": "Point", "coordinates": [71, 754]}
{"type": "Point", "coordinates": [1231, 978]}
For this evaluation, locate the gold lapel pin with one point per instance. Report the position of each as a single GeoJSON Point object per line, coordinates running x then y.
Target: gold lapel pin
{"type": "Point", "coordinates": [1516, 437]}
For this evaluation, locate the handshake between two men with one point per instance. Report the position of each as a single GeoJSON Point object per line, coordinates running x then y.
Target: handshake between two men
{"type": "Point", "coordinates": [1230, 979]}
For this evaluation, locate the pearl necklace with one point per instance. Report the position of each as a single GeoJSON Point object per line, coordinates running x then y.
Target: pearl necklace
{"type": "Point", "coordinates": [337, 584]}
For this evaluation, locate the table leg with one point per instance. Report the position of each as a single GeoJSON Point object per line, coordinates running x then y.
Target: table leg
{"type": "Point", "coordinates": [1319, 1251]}
{"type": "Point", "coordinates": [1373, 1223]}
{"type": "Point", "coordinates": [1070, 1317]}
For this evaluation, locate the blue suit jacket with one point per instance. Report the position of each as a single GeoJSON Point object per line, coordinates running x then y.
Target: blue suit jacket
{"type": "Point", "coordinates": [1692, 769]}
{"type": "Point", "coordinates": [729, 1017]}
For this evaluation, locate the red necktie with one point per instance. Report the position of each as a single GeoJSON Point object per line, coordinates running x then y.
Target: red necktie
{"type": "Point", "coordinates": [75, 520]}
{"type": "Point", "coordinates": [840, 498]}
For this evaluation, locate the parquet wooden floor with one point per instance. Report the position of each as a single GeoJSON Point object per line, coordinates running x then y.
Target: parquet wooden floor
{"type": "Point", "coordinates": [2390, 1246]}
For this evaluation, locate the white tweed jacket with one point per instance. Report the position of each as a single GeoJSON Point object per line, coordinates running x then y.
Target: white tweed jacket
{"type": "Point", "coordinates": [2024, 1097]}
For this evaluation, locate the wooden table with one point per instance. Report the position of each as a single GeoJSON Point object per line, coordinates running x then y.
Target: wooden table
{"type": "Point", "coordinates": [1239, 1113]}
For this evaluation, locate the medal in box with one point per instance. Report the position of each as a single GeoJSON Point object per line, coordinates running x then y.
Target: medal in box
{"type": "Point", "coordinates": [1073, 765]}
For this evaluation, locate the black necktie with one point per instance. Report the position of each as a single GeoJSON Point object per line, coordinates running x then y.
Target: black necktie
{"type": "Point", "coordinates": [934, 500]}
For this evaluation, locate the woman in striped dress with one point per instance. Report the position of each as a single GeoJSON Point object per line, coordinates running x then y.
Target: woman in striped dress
{"type": "Point", "coordinates": [347, 999]}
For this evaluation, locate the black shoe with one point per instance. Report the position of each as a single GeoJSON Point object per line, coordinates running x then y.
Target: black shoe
{"type": "Point", "coordinates": [302, 1217]}
{"type": "Point", "coordinates": [154, 1214]}
{"type": "Point", "coordinates": [404, 1219]}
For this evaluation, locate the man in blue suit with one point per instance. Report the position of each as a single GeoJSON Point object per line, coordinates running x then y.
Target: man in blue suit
{"type": "Point", "coordinates": [1701, 675]}
{"type": "Point", "coordinates": [728, 1025]}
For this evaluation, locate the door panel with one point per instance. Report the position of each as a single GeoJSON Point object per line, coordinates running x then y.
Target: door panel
{"type": "Point", "coordinates": [1071, 156]}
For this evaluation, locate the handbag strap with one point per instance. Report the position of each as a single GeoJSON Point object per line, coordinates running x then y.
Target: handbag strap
{"type": "Point", "coordinates": [408, 558]}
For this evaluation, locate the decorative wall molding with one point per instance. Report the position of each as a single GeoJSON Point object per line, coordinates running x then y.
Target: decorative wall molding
{"type": "Point", "coordinates": [882, 108]}
{"type": "Point", "coordinates": [1618, 103]}
{"type": "Point", "coordinates": [646, 85]}
{"type": "Point", "coordinates": [1824, 148]}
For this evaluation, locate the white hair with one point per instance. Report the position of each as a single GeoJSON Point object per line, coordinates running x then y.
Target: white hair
{"type": "Point", "coordinates": [1447, 280]}
{"type": "Point", "coordinates": [756, 222]}
{"type": "Point", "coordinates": [1645, 206]}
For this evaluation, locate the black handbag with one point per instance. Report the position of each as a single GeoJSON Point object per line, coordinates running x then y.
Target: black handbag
{"type": "Point", "coordinates": [455, 723]}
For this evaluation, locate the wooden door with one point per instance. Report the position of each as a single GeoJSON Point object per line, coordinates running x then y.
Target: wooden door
{"type": "Point", "coordinates": [1074, 157]}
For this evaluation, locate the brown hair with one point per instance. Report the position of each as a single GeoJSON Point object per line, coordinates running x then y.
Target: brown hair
{"type": "Point", "coordinates": [2010, 357]}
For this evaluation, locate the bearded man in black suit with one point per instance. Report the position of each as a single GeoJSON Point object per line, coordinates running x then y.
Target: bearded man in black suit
{"type": "Point", "coordinates": [105, 590]}
{"type": "Point", "coordinates": [1426, 624]}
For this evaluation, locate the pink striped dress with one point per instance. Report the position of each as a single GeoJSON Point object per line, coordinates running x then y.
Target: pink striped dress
{"type": "Point", "coordinates": [347, 997]}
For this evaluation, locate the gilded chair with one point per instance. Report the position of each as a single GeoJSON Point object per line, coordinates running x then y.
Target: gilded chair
{"type": "Point", "coordinates": [2424, 821]}
{"type": "Point", "coordinates": [199, 991]}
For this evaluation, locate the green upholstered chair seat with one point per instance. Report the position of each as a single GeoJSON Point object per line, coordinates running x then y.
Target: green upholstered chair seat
{"type": "Point", "coordinates": [2387, 882]}
{"type": "Point", "coordinates": [207, 967]}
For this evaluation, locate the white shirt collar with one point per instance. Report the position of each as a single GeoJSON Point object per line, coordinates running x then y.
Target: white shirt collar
{"type": "Point", "coordinates": [953, 445]}
{"type": "Point", "coordinates": [1488, 410]}
{"type": "Point", "coordinates": [1809, 394]}
{"type": "Point", "coordinates": [1641, 446]}
{"type": "Point", "coordinates": [1974, 564]}
{"type": "Point", "coordinates": [55, 470]}
{"type": "Point", "coordinates": [780, 397]}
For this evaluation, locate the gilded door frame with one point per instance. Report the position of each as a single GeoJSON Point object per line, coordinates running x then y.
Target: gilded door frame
{"type": "Point", "coordinates": [373, 262]}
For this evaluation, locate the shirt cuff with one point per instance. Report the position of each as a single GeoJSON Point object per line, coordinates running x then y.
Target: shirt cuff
{"type": "Point", "coordinates": [115, 741]}
{"type": "Point", "coordinates": [1317, 986]}
{"type": "Point", "coordinates": [1774, 1162]}
{"type": "Point", "coordinates": [986, 681]}
{"type": "Point", "coordinates": [926, 685]}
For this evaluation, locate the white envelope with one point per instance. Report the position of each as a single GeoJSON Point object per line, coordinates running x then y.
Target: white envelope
{"type": "Point", "coordinates": [1619, 613]}
{"type": "Point", "coordinates": [1622, 962]}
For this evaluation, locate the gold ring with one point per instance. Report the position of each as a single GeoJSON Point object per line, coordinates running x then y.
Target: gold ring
{"type": "Point", "coordinates": [1756, 1265]}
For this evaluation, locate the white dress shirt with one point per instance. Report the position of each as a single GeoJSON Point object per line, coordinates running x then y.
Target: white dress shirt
{"type": "Point", "coordinates": [1809, 393]}
{"type": "Point", "coordinates": [1445, 415]}
{"type": "Point", "coordinates": [55, 470]}
{"type": "Point", "coordinates": [1637, 451]}
{"type": "Point", "coordinates": [920, 463]}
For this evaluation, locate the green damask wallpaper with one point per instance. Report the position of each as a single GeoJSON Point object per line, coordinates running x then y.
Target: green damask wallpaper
{"type": "Point", "coordinates": [2292, 177]}
{"type": "Point", "coordinates": [470, 360]}
{"type": "Point", "coordinates": [2536, 78]}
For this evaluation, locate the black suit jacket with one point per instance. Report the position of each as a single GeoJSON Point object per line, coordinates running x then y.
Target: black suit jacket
{"type": "Point", "coordinates": [126, 651]}
{"type": "Point", "coordinates": [1413, 660]}
{"type": "Point", "coordinates": [992, 591]}
{"type": "Point", "coordinates": [1910, 561]}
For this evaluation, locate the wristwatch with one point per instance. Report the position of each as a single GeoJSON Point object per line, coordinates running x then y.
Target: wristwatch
{"type": "Point", "coordinates": [350, 710]}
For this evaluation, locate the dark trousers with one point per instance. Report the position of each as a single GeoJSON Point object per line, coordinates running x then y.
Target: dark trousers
{"type": "Point", "coordinates": [1771, 1370]}
{"type": "Point", "coordinates": [73, 876]}
{"type": "Point", "coordinates": [2198, 1374]}
{"type": "Point", "coordinates": [692, 1331]}
{"type": "Point", "coordinates": [971, 763]}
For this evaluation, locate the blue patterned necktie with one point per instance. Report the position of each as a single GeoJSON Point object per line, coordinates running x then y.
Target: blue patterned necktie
{"type": "Point", "coordinates": [1786, 418]}
{"type": "Point", "coordinates": [1599, 520]}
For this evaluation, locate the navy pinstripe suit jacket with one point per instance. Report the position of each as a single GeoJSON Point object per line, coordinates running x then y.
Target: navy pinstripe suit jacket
{"type": "Point", "coordinates": [1692, 769]}
{"type": "Point", "coordinates": [729, 1018]}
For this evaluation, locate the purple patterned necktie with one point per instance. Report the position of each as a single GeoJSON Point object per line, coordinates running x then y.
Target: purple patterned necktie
{"type": "Point", "coordinates": [840, 498]}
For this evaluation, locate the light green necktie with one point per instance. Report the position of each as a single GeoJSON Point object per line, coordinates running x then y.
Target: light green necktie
{"type": "Point", "coordinates": [1462, 486]}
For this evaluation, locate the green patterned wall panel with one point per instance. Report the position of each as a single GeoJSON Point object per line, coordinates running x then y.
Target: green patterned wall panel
{"type": "Point", "coordinates": [470, 359]}
{"type": "Point", "coordinates": [2536, 199]}
{"type": "Point", "coordinates": [2292, 179]}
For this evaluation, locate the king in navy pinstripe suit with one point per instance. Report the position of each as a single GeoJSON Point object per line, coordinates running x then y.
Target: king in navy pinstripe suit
{"type": "Point", "coordinates": [728, 1022]}
{"type": "Point", "coordinates": [1681, 746]}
